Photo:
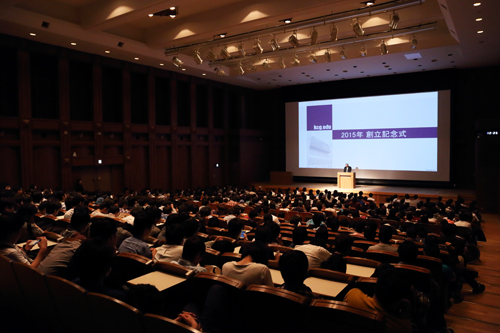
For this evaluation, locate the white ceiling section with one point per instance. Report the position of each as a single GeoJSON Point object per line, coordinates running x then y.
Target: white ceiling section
{"type": "Point", "coordinates": [446, 30]}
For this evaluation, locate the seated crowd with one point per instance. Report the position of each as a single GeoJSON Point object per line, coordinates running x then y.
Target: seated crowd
{"type": "Point", "coordinates": [299, 229]}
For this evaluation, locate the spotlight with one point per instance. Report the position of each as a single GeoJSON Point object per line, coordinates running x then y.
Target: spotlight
{"type": "Point", "coordinates": [224, 53]}
{"type": "Point", "coordinates": [383, 48]}
{"type": "Point", "coordinates": [334, 32]}
{"type": "Point", "coordinates": [342, 53]}
{"type": "Point", "coordinates": [282, 63]}
{"type": "Point", "coordinates": [286, 21]}
{"type": "Point", "coordinates": [197, 57]}
{"type": "Point", "coordinates": [222, 35]}
{"type": "Point", "coordinates": [240, 69]}
{"type": "Point", "coordinates": [220, 72]}
{"type": "Point", "coordinates": [364, 50]}
{"type": "Point", "coordinates": [274, 44]}
{"type": "Point", "coordinates": [252, 68]}
{"type": "Point", "coordinates": [211, 55]}
{"type": "Point", "coordinates": [296, 61]}
{"type": "Point", "coordinates": [356, 27]}
{"type": "Point", "coordinates": [293, 39]}
{"type": "Point", "coordinates": [314, 36]}
{"type": "Point", "coordinates": [368, 3]}
{"type": "Point", "coordinates": [394, 21]}
{"type": "Point", "coordinates": [413, 42]}
{"type": "Point", "coordinates": [177, 62]}
{"type": "Point", "coordinates": [172, 12]}
{"type": "Point", "coordinates": [328, 56]}
{"type": "Point", "coordinates": [241, 50]}
{"type": "Point", "coordinates": [312, 58]}
{"type": "Point", "coordinates": [257, 47]}
{"type": "Point", "coordinates": [266, 64]}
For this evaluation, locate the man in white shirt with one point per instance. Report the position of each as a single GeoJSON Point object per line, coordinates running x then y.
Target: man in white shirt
{"type": "Point", "coordinates": [252, 268]}
{"type": "Point", "coordinates": [463, 221]}
{"type": "Point", "coordinates": [315, 254]}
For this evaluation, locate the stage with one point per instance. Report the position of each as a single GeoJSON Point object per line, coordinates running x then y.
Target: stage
{"type": "Point", "coordinates": [379, 192]}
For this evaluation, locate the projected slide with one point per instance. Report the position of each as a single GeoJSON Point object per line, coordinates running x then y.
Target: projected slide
{"type": "Point", "coordinates": [393, 134]}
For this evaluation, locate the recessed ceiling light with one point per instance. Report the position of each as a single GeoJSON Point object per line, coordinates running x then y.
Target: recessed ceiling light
{"type": "Point", "coordinates": [151, 15]}
{"type": "Point", "coordinates": [477, 4]}
{"type": "Point", "coordinates": [32, 34]}
{"type": "Point", "coordinates": [73, 43]}
{"type": "Point", "coordinates": [107, 51]}
{"type": "Point", "coordinates": [162, 64]}
{"type": "Point", "coordinates": [203, 74]}
{"type": "Point", "coordinates": [136, 58]}
{"type": "Point", "coordinates": [479, 19]}
{"type": "Point", "coordinates": [480, 31]}
{"type": "Point", "coordinates": [286, 21]}
{"type": "Point", "coordinates": [183, 69]}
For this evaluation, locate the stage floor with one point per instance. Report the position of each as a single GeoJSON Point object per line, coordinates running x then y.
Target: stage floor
{"type": "Point", "coordinates": [380, 192]}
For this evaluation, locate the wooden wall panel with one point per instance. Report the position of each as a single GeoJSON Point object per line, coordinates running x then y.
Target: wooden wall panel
{"type": "Point", "coordinates": [218, 177]}
{"type": "Point", "coordinates": [169, 136]}
{"type": "Point", "coordinates": [11, 165]}
{"type": "Point", "coordinates": [202, 167]}
{"type": "Point", "coordinates": [47, 167]}
{"type": "Point", "coordinates": [140, 168]}
{"type": "Point", "coordinates": [163, 168]}
{"type": "Point", "coordinates": [184, 163]}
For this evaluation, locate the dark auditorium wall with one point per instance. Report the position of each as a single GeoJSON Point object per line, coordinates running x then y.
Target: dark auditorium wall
{"type": "Point", "coordinates": [62, 111]}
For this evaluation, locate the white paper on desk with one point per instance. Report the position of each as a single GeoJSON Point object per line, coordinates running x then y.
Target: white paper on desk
{"type": "Point", "coordinates": [325, 287]}
{"type": "Point", "coordinates": [276, 276]}
{"type": "Point", "coordinates": [36, 247]}
{"type": "Point", "coordinates": [160, 280]}
{"type": "Point", "coordinates": [362, 271]}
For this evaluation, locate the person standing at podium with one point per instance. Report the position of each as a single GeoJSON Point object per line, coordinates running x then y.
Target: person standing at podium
{"type": "Point", "coordinates": [347, 168]}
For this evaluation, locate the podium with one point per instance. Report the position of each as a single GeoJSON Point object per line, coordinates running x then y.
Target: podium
{"type": "Point", "coordinates": [346, 179]}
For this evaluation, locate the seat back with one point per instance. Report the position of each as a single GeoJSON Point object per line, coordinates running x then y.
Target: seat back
{"type": "Point", "coordinates": [128, 266]}
{"type": "Point", "coordinates": [10, 290]}
{"type": "Point", "coordinates": [362, 262]}
{"type": "Point", "coordinates": [278, 310]}
{"type": "Point", "coordinates": [36, 293]}
{"type": "Point", "coordinates": [112, 315]}
{"type": "Point", "coordinates": [382, 256]}
{"type": "Point", "coordinates": [367, 285]}
{"type": "Point", "coordinates": [173, 269]}
{"type": "Point", "coordinates": [418, 277]}
{"type": "Point", "coordinates": [364, 244]}
{"type": "Point", "coordinates": [155, 323]}
{"type": "Point", "coordinates": [71, 304]}
{"type": "Point", "coordinates": [357, 252]}
{"type": "Point", "coordinates": [323, 315]}
{"type": "Point", "coordinates": [328, 274]}
{"type": "Point", "coordinates": [435, 265]}
{"type": "Point", "coordinates": [282, 249]}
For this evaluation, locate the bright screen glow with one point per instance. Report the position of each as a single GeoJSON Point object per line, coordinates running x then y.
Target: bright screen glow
{"type": "Point", "coordinates": [402, 136]}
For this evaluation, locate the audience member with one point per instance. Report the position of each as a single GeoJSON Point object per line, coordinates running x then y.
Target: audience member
{"type": "Point", "coordinates": [252, 268]}
{"type": "Point", "coordinates": [137, 244]}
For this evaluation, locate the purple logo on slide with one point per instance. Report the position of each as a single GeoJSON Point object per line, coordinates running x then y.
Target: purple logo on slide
{"type": "Point", "coordinates": [386, 133]}
{"type": "Point", "coordinates": [319, 118]}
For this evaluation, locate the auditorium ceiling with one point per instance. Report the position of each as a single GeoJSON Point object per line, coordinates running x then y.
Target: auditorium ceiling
{"type": "Point", "coordinates": [425, 35]}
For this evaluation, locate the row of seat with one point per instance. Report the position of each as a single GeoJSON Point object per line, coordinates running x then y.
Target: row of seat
{"type": "Point", "coordinates": [61, 305]}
